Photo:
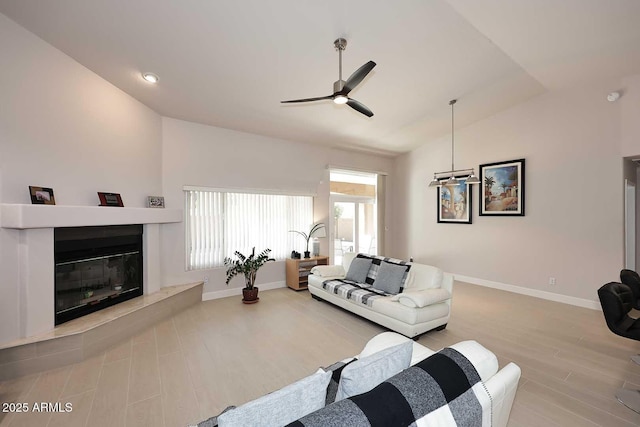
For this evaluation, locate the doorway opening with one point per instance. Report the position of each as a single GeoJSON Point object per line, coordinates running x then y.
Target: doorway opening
{"type": "Point", "coordinates": [353, 219]}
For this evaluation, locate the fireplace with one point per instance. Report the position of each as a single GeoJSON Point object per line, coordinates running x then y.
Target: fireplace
{"type": "Point", "coordinates": [96, 267]}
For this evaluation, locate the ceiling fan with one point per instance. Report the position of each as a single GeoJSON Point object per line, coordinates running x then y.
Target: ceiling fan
{"type": "Point", "coordinates": [341, 88]}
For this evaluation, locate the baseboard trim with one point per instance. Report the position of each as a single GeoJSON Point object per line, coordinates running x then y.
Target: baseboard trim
{"type": "Point", "coordinates": [579, 302]}
{"type": "Point", "coordinates": [206, 296]}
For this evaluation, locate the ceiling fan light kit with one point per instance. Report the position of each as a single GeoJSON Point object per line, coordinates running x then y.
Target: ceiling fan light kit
{"type": "Point", "coordinates": [342, 88]}
{"type": "Point", "coordinates": [439, 176]}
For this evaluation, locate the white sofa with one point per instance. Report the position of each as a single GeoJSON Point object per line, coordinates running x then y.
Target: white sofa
{"type": "Point", "coordinates": [500, 384]}
{"type": "Point", "coordinates": [424, 304]}
{"type": "Point", "coordinates": [283, 406]}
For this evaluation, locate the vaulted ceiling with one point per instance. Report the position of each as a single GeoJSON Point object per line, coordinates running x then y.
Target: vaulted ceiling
{"type": "Point", "coordinates": [229, 63]}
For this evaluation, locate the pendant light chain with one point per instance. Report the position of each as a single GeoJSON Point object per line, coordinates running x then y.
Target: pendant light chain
{"type": "Point", "coordinates": [437, 176]}
{"type": "Point", "coordinates": [452, 103]}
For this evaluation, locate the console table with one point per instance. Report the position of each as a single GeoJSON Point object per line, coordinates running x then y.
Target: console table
{"type": "Point", "coordinates": [298, 270]}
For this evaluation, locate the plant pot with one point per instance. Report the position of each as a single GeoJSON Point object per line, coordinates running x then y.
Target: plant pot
{"type": "Point", "coordinates": [250, 296]}
{"type": "Point", "coordinates": [307, 254]}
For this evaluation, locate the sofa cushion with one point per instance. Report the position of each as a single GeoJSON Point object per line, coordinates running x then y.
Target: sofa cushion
{"type": "Point", "coordinates": [283, 406]}
{"type": "Point", "coordinates": [358, 270]}
{"type": "Point", "coordinates": [389, 277]}
{"type": "Point", "coordinates": [423, 277]}
{"type": "Point", "coordinates": [409, 315]}
{"type": "Point", "coordinates": [375, 266]}
{"type": "Point", "coordinates": [422, 298]}
{"type": "Point", "coordinates": [366, 373]}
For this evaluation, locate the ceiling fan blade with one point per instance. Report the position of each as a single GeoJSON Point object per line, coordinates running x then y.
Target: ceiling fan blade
{"type": "Point", "coordinates": [355, 78]}
{"type": "Point", "coordinates": [359, 107]}
{"type": "Point", "coordinates": [308, 99]}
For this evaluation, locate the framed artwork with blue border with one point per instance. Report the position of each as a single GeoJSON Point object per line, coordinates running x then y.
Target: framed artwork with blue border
{"type": "Point", "coordinates": [454, 202]}
{"type": "Point", "coordinates": [502, 188]}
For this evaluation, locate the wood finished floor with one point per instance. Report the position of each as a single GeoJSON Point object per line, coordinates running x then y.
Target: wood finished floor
{"type": "Point", "coordinates": [222, 352]}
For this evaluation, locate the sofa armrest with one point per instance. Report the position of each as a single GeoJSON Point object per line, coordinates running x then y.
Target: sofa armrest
{"type": "Point", "coordinates": [422, 298]}
{"type": "Point", "coordinates": [502, 387]}
{"type": "Point", "coordinates": [328, 271]}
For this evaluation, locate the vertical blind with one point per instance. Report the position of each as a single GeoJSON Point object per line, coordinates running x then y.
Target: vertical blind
{"type": "Point", "coordinates": [220, 223]}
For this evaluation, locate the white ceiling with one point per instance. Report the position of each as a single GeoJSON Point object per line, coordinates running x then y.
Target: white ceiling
{"type": "Point", "coordinates": [229, 63]}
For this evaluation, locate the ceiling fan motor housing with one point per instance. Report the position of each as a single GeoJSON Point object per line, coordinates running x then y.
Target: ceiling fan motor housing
{"type": "Point", "coordinates": [338, 85]}
{"type": "Point", "coordinates": [340, 44]}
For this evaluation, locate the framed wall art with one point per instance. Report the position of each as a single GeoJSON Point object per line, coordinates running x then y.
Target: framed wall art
{"type": "Point", "coordinates": [454, 202]}
{"type": "Point", "coordinates": [502, 188]}
{"type": "Point", "coordinates": [155, 202]}
{"type": "Point", "coordinates": [41, 195]}
{"type": "Point", "coordinates": [110, 199]}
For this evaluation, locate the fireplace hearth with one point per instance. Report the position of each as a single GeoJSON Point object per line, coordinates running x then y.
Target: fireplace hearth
{"type": "Point", "coordinates": [96, 267]}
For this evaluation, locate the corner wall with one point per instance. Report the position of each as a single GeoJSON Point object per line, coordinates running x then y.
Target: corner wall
{"type": "Point", "coordinates": [574, 196]}
{"type": "Point", "coordinates": [64, 127]}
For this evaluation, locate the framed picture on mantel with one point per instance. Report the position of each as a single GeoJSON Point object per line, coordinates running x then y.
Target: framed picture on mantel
{"type": "Point", "coordinates": [41, 195]}
{"type": "Point", "coordinates": [155, 202]}
{"type": "Point", "coordinates": [110, 199]}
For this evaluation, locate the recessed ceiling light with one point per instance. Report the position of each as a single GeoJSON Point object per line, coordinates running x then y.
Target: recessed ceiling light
{"type": "Point", "coordinates": [150, 77]}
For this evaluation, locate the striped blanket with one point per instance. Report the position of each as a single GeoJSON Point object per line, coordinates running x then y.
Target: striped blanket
{"type": "Point", "coordinates": [443, 390]}
{"type": "Point", "coordinates": [362, 293]}
{"type": "Point", "coordinates": [365, 293]}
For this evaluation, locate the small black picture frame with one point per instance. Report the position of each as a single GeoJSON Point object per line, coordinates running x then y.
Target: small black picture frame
{"type": "Point", "coordinates": [41, 195]}
{"type": "Point", "coordinates": [110, 199]}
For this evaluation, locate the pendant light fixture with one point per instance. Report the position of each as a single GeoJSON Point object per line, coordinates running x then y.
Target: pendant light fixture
{"type": "Point", "coordinates": [439, 176]}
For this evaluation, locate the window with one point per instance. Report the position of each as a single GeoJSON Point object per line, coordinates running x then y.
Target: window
{"type": "Point", "coordinates": [220, 223]}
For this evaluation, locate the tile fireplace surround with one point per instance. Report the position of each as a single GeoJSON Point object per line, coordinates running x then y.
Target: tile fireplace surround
{"type": "Point", "coordinates": [34, 226]}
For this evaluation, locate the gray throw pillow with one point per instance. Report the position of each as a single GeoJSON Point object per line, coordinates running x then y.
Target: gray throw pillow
{"type": "Point", "coordinates": [358, 270]}
{"type": "Point", "coordinates": [336, 373]}
{"type": "Point", "coordinates": [389, 278]}
{"type": "Point", "coordinates": [283, 406]}
{"type": "Point", "coordinates": [213, 421]}
{"type": "Point", "coordinates": [366, 373]}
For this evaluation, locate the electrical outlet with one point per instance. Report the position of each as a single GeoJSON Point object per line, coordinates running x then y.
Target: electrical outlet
{"type": "Point", "coordinates": [552, 281]}
{"type": "Point", "coordinates": [206, 279]}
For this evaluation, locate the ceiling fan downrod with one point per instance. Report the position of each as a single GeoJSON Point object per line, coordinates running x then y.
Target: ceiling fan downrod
{"type": "Point", "coordinates": [340, 45]}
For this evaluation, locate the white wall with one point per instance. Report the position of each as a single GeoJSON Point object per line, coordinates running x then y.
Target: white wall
{"type": "Point", "coordinates": [62, 126]}
{"type": "Point", "coordinates": [207, 156]}
{"type": "Point", "coordinates": [574, 196]}
{"type": "Point", "coordinates": [630, 112]}
{"type": "Point", "coordinates": [630, 127]}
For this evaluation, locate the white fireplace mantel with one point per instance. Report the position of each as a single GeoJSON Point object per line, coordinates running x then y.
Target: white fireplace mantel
{"type": "Point", "coordinates": [22, 216]}
{"type": "Point", "coordinates": [34, 226]}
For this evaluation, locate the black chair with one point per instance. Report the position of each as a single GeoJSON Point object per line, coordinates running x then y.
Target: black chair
{"type": "Point", "coordinates": [617, 300]}
{"type": "Point", "coordinates": [632, 280]}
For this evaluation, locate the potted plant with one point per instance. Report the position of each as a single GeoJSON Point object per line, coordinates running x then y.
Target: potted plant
{"type": "Point", "coordinates": [308, 237]}
{"type": "Point", "coordinates": [248, 266]}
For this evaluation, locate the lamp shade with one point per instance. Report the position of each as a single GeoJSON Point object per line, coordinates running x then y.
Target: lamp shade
{"type": "Point", "coordinates": [451, 181]}
{"type": "Point", "coordinates": [473, 179]}
{"type": "Point", "coordinates": [435, 182]}
{"type": "Point", "coordinates": [320, 230]}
